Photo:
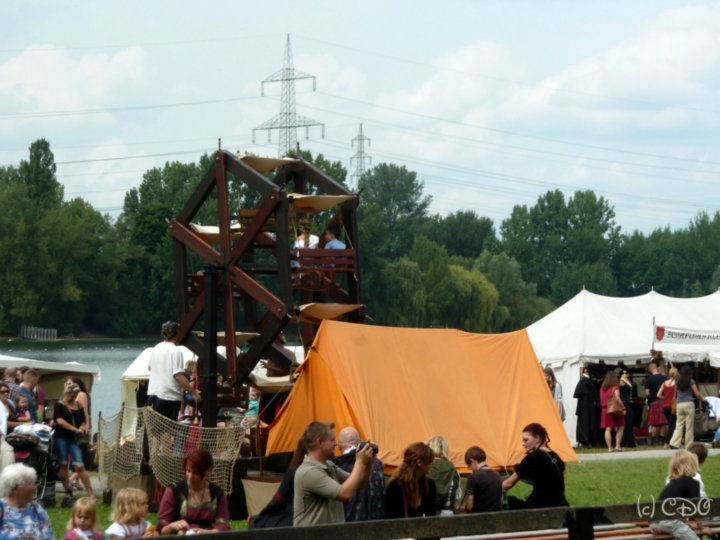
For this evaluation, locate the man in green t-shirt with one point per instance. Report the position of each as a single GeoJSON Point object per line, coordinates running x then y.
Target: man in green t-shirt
{"type": "Point", "coordinates": [321, 487]}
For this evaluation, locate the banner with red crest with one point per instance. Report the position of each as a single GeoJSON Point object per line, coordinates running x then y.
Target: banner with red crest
{"type": "Point", "coordinates": [669, 334]}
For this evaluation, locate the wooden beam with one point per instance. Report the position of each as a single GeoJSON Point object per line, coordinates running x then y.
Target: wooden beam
{"type": "Point", "coordinates": [247, 175]}
{"type": "Point", "coordinates": [257, 291]}
{"type": "Point", "coordinates": [191, 317]}
{"type": "Point", "coordinates": [194, 242]}
{"type": "Point", "coordinates": [197, 346]}
{"type": "Point", "coordinates": [259, 347]}
{"type": "Point", "coordinates": [255, 227]}
{"type": "Point", "coordinates": [280, 356]}
{"type": "Point", "coordinates": [316, 177]}
{"type": "Point", "coordinates": [182, 300]}
{"type": "Point", "coordinates": [282, 238]}
{"type": "Point", "coordinates": [349, 213]}
{"type": "Point", "coordinates": [198, 197]}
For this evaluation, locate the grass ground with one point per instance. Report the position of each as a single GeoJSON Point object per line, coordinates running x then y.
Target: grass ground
{"type": "Point", "coordinates": [589, 483]}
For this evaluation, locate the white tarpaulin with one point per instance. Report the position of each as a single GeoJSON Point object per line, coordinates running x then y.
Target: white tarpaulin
{"type": "Point", "coordinates": [590, 328]}
{"type": "Point", "coordinates": [668, 334]}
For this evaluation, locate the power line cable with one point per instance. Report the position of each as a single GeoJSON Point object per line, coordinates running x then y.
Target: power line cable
{"type": "Point", "coordinates": [518, 179]}
{"type": "Point", "coordinates": [505, 132]}
{"type": "Point", "coordinates": [149, 44]}
{"type": "Point", "coordinates": [46, 114]}
{"type": "Point", "coordinates": [508, 81]}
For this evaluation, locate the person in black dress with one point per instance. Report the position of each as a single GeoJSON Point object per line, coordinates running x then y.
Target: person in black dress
{"type": "Point", "coordinates": [628, 438]}
{"type": "Point", "coordinates": [542, 468]}
{"type": "Point", "coordinates": [588, 412]}
{"type": "Point", "coordinates": [279, 511]}
{"type": "Point", "coordinates": [410, 492]}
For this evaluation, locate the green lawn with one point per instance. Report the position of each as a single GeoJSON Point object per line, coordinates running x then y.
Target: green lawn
{"type": "Point", "coordinates": [589, 483]}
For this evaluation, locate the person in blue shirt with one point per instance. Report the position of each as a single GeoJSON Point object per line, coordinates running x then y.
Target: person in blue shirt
{"type": "Point", "coordinates": [332, 235]}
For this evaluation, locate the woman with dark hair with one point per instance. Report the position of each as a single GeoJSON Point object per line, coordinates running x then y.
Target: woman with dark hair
{"type": "Point", "coordinates": [279, 511]}
{"type": "Point", "coordinates": [685, 409]}
{"type": "Point", "coordinates": [555, 390]}
{"type": "Point", "coordinates": [410, 493]}
{"type": "Point", "coordinates": [194, 504]}
{"type": "Point", "coordinates": [611, 387]}
{"type": "Point", "coordinates": [542, 468]}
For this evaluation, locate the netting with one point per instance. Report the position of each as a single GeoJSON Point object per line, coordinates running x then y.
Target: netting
{"type": "Point", "coordinates": [119, 448]}
{"type": "Point", "coordinates": [170, 442]}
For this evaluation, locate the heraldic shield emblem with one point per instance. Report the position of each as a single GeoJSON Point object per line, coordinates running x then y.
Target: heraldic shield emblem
{"type": "Point", "coordinates": [659, 332]}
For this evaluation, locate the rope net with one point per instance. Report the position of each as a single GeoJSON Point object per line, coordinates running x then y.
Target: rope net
{"type": "Point", "coordinates": [171, 442]}
{"type": "Point", "coordinates": [120, 445]}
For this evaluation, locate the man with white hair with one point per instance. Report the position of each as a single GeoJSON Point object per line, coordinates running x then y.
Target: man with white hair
{"type": "Point", "coordinates": [368, 503]}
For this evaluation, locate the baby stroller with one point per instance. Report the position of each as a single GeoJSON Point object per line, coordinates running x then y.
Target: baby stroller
{"type": "Point", "coordinates": [34, 448]}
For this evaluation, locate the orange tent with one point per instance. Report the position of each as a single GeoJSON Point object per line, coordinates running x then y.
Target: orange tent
{"type": "Point", "coordinates": [397, 386]}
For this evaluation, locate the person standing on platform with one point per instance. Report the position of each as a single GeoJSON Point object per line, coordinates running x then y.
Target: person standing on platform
{"type": "Point", "coordinates": [656, 419]}
{"type": "Point", "coordinates": [367, 504]}
{"type": "Point", "coordinates": [167, 375]}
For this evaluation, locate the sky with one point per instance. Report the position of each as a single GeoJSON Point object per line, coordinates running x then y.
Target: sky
{"type": "Point", "coordinates": [491, 103]}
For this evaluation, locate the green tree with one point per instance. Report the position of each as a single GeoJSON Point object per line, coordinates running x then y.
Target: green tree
{"type": "Point", "coordinates": [463, 233]}
{"type": "Point", "coordinates": [399, 194]}
{"type": "Point", "coordinates": [38, 175]}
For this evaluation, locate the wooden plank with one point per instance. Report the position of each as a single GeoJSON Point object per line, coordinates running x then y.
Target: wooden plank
{"type": "Point", "coordinates": [196, 345]}
{"type": "Point", "coordinates": [194, 242]}
{"type": "Point", "coordinates": [198, 197]}
{"type": "Point", "coordinates": [259, 346]}
{"type": "Point", "coordinates": [271, 302]}
{"type": "Point", "coordinates": [223, 208]}
{"type": "Point", "coordinates": [182, 300]}
{"type": "Point", "coordinates": [349, 211]}
{"type": "Point", "coordinates": [255, 226]}
{"type": "Point", "coordinates": [247, 175]}
{"type": "Point", "coordinates": [282, 238]}
{"type": "Point", "coordinates": [316, 177]}
{"type": "Point", "coordinates": [191, 317]}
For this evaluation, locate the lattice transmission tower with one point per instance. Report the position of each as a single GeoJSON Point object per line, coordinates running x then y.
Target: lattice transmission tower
{"type": "Point", "coordinates": [360, 156]}
{"type": "Point", "coordinates": [288, 120]}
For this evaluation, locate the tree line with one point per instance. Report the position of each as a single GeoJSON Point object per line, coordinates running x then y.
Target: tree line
{"type": "Point", "coordinates": [68, 266]}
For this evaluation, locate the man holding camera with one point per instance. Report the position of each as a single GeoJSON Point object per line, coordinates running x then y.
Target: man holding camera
{"type": "Point", "coordinates": [321, 487]}
{"type": "Point", "coordinates": [368, 503]}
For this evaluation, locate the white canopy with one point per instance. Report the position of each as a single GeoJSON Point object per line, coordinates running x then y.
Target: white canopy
{"type": "Point", "coordinates": [590, 328]}
{"type": "Point", "coordinates": [52, 374]}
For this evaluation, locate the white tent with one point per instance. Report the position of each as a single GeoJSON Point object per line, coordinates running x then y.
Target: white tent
{"type": "Point", "coordinates": [590, 328]}
{"type": "Point", "coordinates": [138, 371]}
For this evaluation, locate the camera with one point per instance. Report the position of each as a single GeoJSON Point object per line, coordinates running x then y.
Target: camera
{"type": "Point", "coordinates": [372, 445]}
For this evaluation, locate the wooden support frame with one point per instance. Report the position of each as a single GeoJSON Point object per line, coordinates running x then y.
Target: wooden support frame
{"type": "Point", "coordinates": [235, 256]}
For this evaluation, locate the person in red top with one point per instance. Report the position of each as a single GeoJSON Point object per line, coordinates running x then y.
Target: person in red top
{"type": "Point", "coordinates": [667, 394]}
{"type": "Point", "coordinates": [608, 422]}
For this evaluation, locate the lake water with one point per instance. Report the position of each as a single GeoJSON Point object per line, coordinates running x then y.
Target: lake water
{"type": "Point", "coordinates": [111, 356]}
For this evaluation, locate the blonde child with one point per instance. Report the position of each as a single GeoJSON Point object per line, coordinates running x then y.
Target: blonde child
{"type": "Point", "coordinates": [83, 524]}
{"type": "Point", "coordinates": [129, 513]}
{"type": "Point", "coordinates": [23, 409]}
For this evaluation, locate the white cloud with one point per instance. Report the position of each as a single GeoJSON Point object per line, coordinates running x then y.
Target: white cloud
{"type": "Point", "coordinates": [54, 80]}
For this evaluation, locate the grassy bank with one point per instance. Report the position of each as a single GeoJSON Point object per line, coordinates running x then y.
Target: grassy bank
{"type": "Point", "coordinates": [590, 483]}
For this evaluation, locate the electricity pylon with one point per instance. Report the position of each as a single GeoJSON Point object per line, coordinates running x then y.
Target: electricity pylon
{"type": "Point", "coordinates": [360, 155]}
{"type": "Point", "coordinates": [287, 121]}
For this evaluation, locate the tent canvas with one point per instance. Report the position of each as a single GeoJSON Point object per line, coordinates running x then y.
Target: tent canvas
{"type": "Point", "coordinates": [590, 328]}
{"type": "Point", "coordinates": [397, 386]}
{"type": "Point", "coordinates": [52, 374]}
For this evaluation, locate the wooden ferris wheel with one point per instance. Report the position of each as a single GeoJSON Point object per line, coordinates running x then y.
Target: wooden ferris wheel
{"type": "Point", "coordinates": [305, 283]}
